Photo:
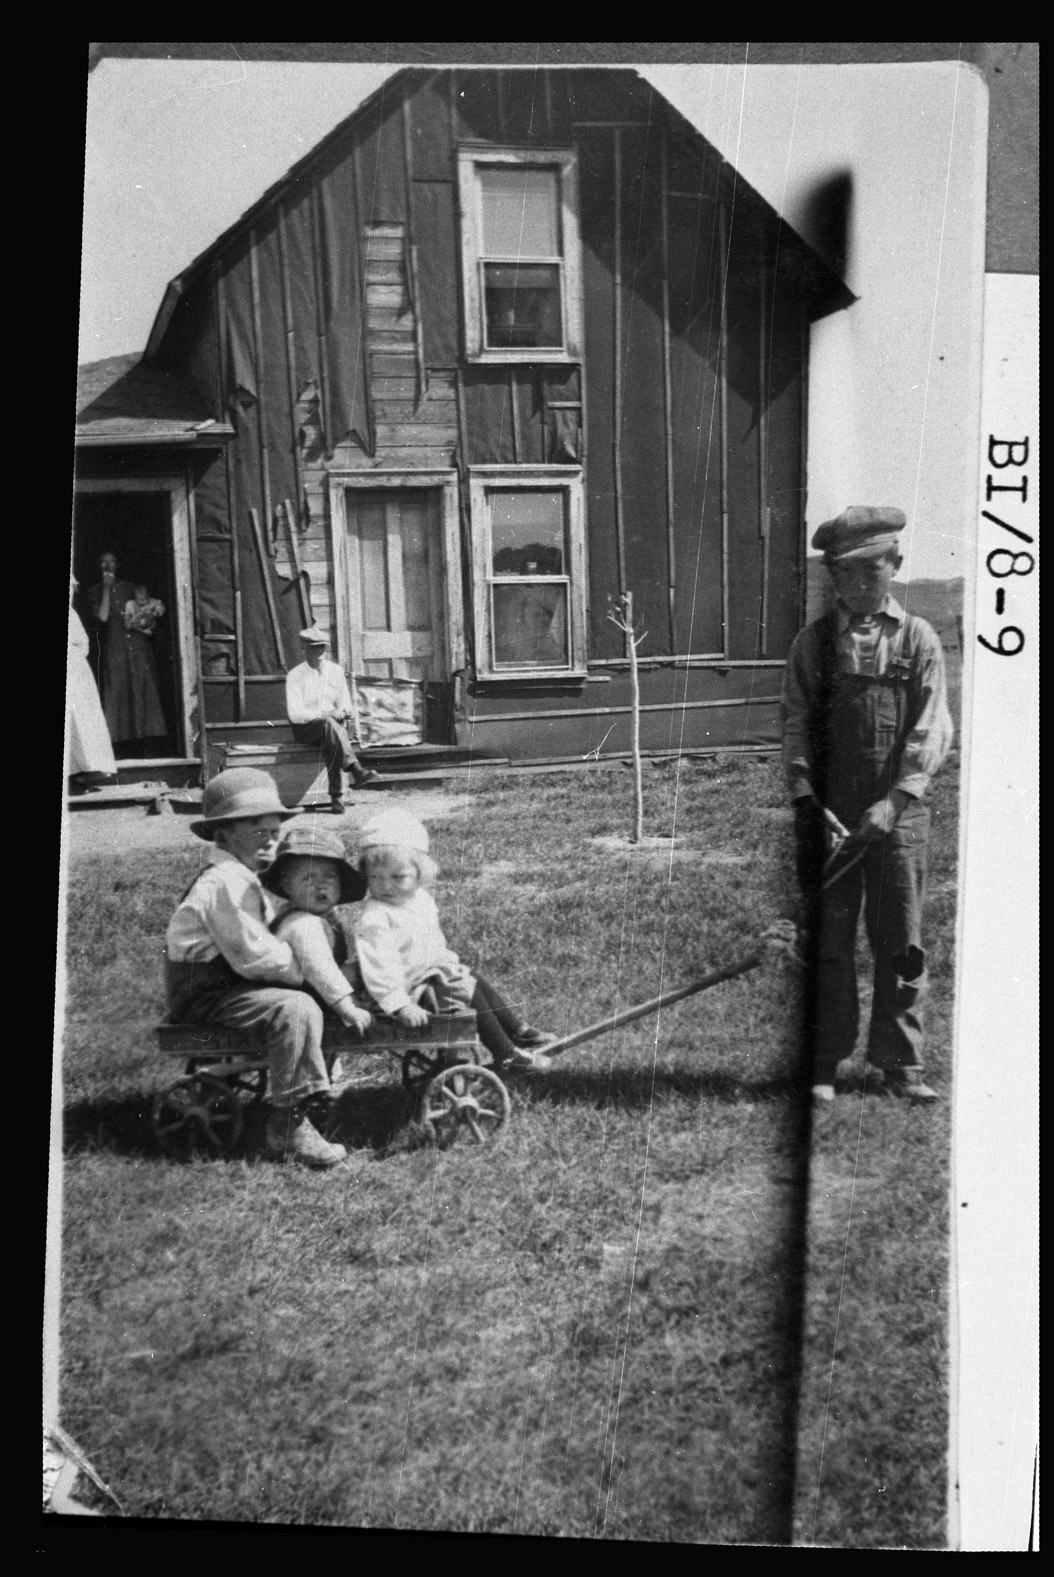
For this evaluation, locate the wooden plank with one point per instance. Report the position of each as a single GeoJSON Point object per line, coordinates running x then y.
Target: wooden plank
{"type": "Point", "coordinates": [388, 339]}
{"type": "Point", "coordinates": [395, 390]}
{"type": "Point", "coordinates": [435, 414]}
{"type": "Point", "coordinates": [265, 576]}
{"type": "Point", "coordinates": [415, 459]}
{"type": "Point", "coordinates": [390, 298]}
{"type": "Point", "coordinates": [290, 358]}
{"type": "Point", "coordinates": [397, 362]}
{"type": "Point", "coordinates": [294, 553]}
{"type": "Point", "coordinates": [236, 590]}
{"type": "Point", "coordinates": [667, 403]}
{"type": "Point", "coordinates": [417, 436]}
{"type": "Point", "coordinates": [413, 435]}
{"type": "Point", "coordinates": [620, 532]}
{"type": "Point", "coordinates": [764, 350]}
{"type": "Point", "coordinates": [261, 383]}
{"type": "Point", "coordinates": [384, 271]}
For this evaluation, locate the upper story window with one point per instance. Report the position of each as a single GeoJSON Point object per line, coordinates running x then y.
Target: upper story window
{"type": "Point", "coordinates": [521, 262]}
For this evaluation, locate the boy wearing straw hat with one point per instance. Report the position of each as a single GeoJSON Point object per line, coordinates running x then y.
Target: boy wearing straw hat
{"type": "Point", "coordinates": [224, 966]}
{"type": "Point", "coordinates": [865, 727]}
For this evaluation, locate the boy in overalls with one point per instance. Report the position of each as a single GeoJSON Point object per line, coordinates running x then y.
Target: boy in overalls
{"type": "Point", "coordinates": [865, 727]}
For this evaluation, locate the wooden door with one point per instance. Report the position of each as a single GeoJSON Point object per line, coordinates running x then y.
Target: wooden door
{"type": "Point", "coordinates": [394, 583]}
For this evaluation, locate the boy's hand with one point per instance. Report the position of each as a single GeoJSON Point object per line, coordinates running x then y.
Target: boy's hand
{"type": "Point", "coordinates": [413, 1016]}
{"type": "Point", "coordinates": [354, 1017]}
{"type": "Point", "coordinates": [880, 818]}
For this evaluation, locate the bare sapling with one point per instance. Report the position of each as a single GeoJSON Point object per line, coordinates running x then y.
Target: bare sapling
{"type": "Point", "coordinates": [623, 620]}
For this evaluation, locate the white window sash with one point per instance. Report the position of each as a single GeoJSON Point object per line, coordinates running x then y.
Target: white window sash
{"type": "Point", "coordinates": [474, 254]}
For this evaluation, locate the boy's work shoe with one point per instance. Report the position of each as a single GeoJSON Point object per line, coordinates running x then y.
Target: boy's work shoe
{"type": "Point", "coordinates": [822, 1094]}
{"type": "Point", "coordinates": [523, 1062]}
{"type": "Point", "coordinates": [908, 1084]}
{"type": "Point", "coordinates": [292, 1137]}
{"type": "Point", "coordinates": [364, 778]}
{"type": "Point", "coordinates": [336, 805]}
{"type": "Point", "coordinates": [531, 1039]}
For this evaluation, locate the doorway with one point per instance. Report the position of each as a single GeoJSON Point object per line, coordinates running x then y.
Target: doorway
{"type": "Point", "coordinates": [136, 527]}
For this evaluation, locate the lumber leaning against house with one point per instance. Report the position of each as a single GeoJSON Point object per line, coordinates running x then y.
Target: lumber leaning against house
{"type": "Point", "coordinates": [514, 344]}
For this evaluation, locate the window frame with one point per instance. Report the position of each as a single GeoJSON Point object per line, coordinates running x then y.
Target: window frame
{"type": "Point", "coordinates": [568, 479]}
{"type": "Point", "coordinates": [470, 159]}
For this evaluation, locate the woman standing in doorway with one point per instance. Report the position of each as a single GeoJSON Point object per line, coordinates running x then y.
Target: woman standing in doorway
{"type": "Point", "coordinates": [129, 675]}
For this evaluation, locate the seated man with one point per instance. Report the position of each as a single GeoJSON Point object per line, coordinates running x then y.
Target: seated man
{"type": "Point", "coordinates": [224, 966]}
{"type": "Point", "coordinates": [321, 711]}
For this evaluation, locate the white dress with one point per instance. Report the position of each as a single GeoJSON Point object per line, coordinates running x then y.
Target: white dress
{"type": "Point", "coordinates": [89, 737]}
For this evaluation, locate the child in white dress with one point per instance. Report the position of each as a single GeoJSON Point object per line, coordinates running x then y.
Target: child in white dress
{"type": "Point", "coordinates": [401, 947]}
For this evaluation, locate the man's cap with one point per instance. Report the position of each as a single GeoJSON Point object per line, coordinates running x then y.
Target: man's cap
{"type": "Point", "coordinates": [307, 841]}
{"type": "Point", "coordinates": [314, 636]}
{"type": "Point", "coordinates": [863, 531]}
{"type": "Point", "coordinates": [238, 793]}
{"type": "Point", "coordinates": [392, 829]}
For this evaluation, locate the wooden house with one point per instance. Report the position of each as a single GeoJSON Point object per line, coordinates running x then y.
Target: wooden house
{"type": "Point", "coordinates": [503, 347]}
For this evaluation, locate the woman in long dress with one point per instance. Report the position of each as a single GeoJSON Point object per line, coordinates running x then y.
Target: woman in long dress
{"type": "Point", "coordinates": [90, 751]}
{"type": "Point", "coordinates": [129, 676]}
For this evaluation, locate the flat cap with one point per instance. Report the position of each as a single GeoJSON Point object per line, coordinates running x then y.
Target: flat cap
{"type": "Point", "coordinates": [314, 636]}
{"type": "Point", "coordinates": [863, 531]}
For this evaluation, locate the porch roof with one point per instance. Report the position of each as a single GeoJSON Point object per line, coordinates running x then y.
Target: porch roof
{"type": "Point", "coordinates": [123, 400]}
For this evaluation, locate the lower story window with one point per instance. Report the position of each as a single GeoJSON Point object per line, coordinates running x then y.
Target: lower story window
{"type": "Point", "coordinates": [529, 567]}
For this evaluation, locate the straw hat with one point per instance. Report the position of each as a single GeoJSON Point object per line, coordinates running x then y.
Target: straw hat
{"type": "Point", "coordinates": [236, 794]}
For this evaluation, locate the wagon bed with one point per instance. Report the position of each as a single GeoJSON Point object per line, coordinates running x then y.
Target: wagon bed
{"type": "Point", "coordinates": [225, 1070]}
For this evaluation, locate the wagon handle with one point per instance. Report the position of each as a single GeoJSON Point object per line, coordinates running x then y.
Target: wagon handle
{"type": "Point", "coordinates": [628, 1015]}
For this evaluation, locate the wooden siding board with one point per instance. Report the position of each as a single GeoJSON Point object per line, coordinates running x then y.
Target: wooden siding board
{"type": "Point", "coordinates": [643, 437]}
{"type": "Point", "coordinates": [435, 235]}
{"type": "Point", "coordinates": [477, 105]}
{"type": "Point", "coordinates": [597, 183]}
{"type": "Point", "coordinates": [785, 467]}
{"type": "Point", "coordinates": [382, 170]}
{"type": "Point", "coordinates": [744, 552]}
{"type": "Point", "coordinates": [695, 343]}
{"type": "Point", "coordinates": [430, 131]}
{"type": "Point", "coordinates": [526, 111]}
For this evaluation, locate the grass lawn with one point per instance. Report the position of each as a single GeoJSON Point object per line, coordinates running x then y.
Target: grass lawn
{"type": "Point", "coordinates": [592, 1329]}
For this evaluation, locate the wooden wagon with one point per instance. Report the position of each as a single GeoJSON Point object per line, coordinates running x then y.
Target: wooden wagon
{"type": "Point", "coordinates": [225, 1071]}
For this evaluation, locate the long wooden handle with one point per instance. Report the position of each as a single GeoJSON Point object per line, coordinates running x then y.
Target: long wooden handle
{"type": "Point", "coordinates": [628, 1015]}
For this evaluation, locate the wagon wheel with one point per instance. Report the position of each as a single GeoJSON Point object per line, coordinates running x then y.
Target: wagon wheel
{"type": "Point", "coordinates": [249, 1083]}
{"type": "Point", "coordinates": [420, 1065]}
{"type": "Point", "coordinates": [464, 1101]}
{"type": "Point", "coordinates": [199, 1114]}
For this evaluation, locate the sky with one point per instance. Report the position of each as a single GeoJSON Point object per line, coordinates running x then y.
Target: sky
{"type": "Point", "coordinates": [177, 150]}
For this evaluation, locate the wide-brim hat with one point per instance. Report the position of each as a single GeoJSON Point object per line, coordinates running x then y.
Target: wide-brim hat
{"type": "Point", "coordinates": [391, 829]}
{"type": "Point", "coordinates": [863, 531]}
{"type": "Point", "coordinates": [306, 841]}
{"type": "Point", "coordinates": [314, 636]}
{"type": "Point", "coordinates": [236, 795]}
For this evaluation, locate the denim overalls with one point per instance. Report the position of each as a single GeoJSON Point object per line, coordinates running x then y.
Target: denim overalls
{"type": "Point", "coordinates": [859, 729]}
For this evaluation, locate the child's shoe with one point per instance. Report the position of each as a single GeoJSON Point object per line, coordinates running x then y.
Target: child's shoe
{"type": "Point", "coordinates": [292, 1137]}
{"type": "Point", "coordinates": [531, 1039]}
{"type": "Point", "coordinates": [528, 1061]}
{"type": "Point", "coordinates": [908, 1084]}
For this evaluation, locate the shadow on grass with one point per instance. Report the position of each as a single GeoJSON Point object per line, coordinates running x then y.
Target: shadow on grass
{"type": "Point", "coordinates": [379, 1117]}
{"type": "Point", "coordinates": [373, 1119]}
{"type": "Point", "coordinates": [639, 1087]}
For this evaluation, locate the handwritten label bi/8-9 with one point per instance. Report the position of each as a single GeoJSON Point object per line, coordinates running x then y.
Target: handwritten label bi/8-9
{"type": "Point", "coordinates": [1004, 562]}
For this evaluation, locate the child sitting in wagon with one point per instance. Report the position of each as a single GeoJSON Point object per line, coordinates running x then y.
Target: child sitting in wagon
{"type": "Point", "coordinates": [311, 872]}
{"type": "Point", "coordinates": [401, 947]}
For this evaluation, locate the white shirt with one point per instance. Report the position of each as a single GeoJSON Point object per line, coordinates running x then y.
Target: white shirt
{"type": "Point", "coordinates": [401, 945]}
{"type": "Point", "coordinates": [309, 940]}
{"type": "Point", "coordinates": [312, 694]}
{"type": "Point", "coordinates": [228, 913]}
